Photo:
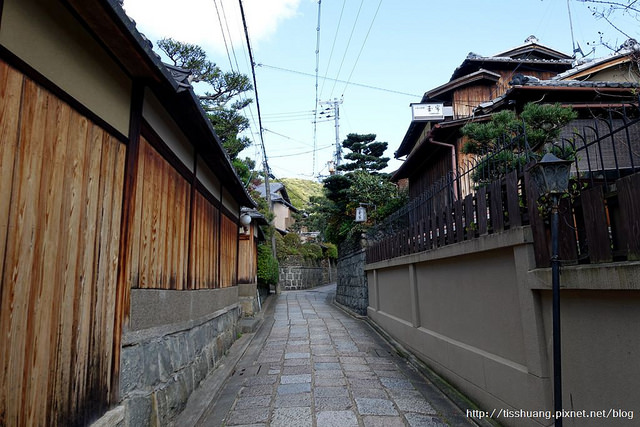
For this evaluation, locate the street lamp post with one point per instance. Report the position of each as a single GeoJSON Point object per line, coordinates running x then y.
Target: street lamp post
{"type": "Point", "coordinates": [551, 175]}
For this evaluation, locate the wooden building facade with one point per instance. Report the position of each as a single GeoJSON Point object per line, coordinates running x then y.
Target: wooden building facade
{"type": "Point", "coordinates": [433, 148]}
{"type": "Point", "coordinates": [112, 181]}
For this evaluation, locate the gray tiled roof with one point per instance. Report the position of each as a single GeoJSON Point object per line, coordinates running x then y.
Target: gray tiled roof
{"type": "Point", "coordinates": [579, 83]}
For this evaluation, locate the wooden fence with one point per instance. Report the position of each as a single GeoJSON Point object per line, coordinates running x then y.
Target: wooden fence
{"type": "Point", "coordinates": [599, 221]}
{"type": "Point", "coordinates": [62, 180]}
{"type": "Point", "coordinates": [61, 184]}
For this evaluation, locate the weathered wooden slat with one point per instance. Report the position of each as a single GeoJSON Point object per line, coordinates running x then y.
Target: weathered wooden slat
{"type": "Point", "coordinates": [495, 203]}
{"type": "Point", "coordinates": [567, 244]}
{"type": "Point", "coordinates": [23, 255]}
{"type": "Point", "coordinates": [596, 226]}
{"type": "Point", "coordinates": [55, 246]}
{"type": "Point", "coordinates": [459, 214]}
{"type": "Point", "coordinates": [469, 216]}
{"type": "Point", "coordinates": [450, 233]}
{"type": "Point", "coordinates": [92, 153]}
{"type": "Point", "coordinates": [73, 209]}
{"type": "Point", "coordinates": [10, 99]}
{"type": "Point", "coordinates": [629, 202]}
{"type": "Point", "coordinates": [146, 200]}
{"type": "Point", "coordinates": [434, 229]}
{"type": "Point", "coordinates": [481, 203]}
{"type": "Point", "coordinates": [513, 203]}
{"type": "Point", "coordinates": [540, 243]}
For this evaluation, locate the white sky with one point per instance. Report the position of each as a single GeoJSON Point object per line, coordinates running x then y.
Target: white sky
{"type": "Point", "coordinates": [407, 46]}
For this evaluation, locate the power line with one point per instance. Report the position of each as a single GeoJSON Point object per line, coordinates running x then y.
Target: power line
{"type": "Point", "coordinates": [315, 108]}
{"type": "Point", "coordinates": [303, 152]}
{"type": "Point", "coordinates": [267, 187]}
{"type": "Point", "coordinates": [233, 50]}
{"type": "Point", "coordinates": [347, 48]}
{"type": "Point", "coordinates": [362, 47]}
{"type": "Point", "coordinates": [413, 95]}
{"type": "Point", "coordinates": [335, 39]}
{"type": "Point", "coordinates": [255, 90]}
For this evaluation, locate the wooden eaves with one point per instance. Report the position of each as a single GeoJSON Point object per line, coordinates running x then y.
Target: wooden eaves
{"type": "Point", "coordinates": [117, 33]}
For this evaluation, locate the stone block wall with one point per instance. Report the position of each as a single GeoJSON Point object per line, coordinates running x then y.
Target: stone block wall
{"type": "Point", "coordinates": [161, 366]}
{"type": "Point", "coordinates": [298, 274]}
{"type": "Point", "coordinates": [297, 277]}
{"type": "Point", "coordinates": [352, 289]}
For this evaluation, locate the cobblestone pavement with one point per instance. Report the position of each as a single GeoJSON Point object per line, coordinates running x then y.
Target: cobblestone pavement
{"type": "Point", "coordinates": [311, 364]}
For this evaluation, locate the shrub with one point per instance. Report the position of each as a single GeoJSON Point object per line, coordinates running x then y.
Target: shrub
{"type": "Point", "coordinates": [332, 250]}
{"type": "Point", "coordinates": [268, 273]}
{"type": "Point", "coordinates": [311, 251]}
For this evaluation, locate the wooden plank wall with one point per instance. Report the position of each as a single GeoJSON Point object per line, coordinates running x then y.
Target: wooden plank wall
{"type": "Point", "coordinates": [160, 224]}
{"type": "Point", "coordinates": [228, 252]}
{"type": "Point", "coordinates": [204, 266]}
{"type": "Point", "coordinates": [247, 255]}
{"type": "Point", "coordinates": [175, 248]}
{"type": "Point", "coordinates": [61, 184]}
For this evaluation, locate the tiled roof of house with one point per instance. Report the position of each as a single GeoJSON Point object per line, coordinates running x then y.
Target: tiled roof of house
{"type": "Point", "coordinates": [628, 48]}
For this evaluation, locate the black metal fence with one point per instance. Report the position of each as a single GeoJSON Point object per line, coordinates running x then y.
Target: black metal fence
{"type": "Point", "coordinates": [492, 192]}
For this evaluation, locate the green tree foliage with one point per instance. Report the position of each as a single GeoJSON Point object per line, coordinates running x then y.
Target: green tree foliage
{"type": "Point", "coordinates": [221, 100]}
{"type": "Point", "coordinates": [268, 270]}
{"type": "Point", "coordinates": [365, 153]}
{"type": "Point", "coordinates": [542, 124]}
{"type": "Point", "coordinates": [332, 250]}
{"type": "Point", "coordinates": [345, 193]}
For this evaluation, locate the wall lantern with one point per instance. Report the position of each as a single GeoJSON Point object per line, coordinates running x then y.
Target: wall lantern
{"type": "Point", "coordinates": [245, 220]}
{"type": "Point", "coordinates": [361, 214]}
{"type": "Point", "coordinates": [551, 176]}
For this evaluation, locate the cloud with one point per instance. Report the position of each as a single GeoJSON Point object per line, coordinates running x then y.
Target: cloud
{"type": "Point", "coordinates": [209, 22]}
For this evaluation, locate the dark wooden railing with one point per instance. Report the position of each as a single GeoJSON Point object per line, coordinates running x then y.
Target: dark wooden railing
{"type": "Point", "coordinates": [599, 217]}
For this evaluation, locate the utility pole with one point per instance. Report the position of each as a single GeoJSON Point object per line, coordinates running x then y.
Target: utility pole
{"type": "Point", "coordinates": [335, 106]}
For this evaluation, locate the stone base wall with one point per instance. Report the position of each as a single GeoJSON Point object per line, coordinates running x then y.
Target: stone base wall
{"type": "Point", "coordinates": [352, 289]}
{"type": "Point", "coordinates": [161, 366]}
{"type": "Point", "coordinates": [295, 277]}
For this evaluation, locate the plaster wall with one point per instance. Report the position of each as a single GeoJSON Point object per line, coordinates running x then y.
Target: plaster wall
{"type": "Point", "coordinates": [162, 123]}
{"type": "Point", "coordinates": [229, 202]}
{"type": "Point", "coordinates": [208, 178]}
{"type": "Point", "coordinates": [281, 215]}
{"type": "Point", "coordinates": [47, 37]}
{"type": "Point", "coordinates": [479, 314]}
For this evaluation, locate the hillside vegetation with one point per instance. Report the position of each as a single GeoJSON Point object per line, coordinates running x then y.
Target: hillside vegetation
{"type": "Point", "coordinates": [300, 190]}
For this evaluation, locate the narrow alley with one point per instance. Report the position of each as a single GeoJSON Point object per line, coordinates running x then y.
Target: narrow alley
{"type": "Point", "coordinates": [311, 364]}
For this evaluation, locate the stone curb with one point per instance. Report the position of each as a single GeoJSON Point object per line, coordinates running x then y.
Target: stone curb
{"type": "Point", "coordinates": [209, 389]}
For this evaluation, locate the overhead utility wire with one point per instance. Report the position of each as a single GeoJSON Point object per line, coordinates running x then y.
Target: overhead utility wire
{"type": "Point", "coordinates": [362, 47]}
{"type": "Point", "coordinates": [315, 109]}
{"type": "Point", "coordinates": [304, 152]}
{"type": "Point", "coordinates": [339, 81]}
{"type": "Point", "coordinates": [347, 48]}
{"type": "Point", "coordinates": [335, 38]}
{"type": "Point", "coordinates": [255, 90]}
{"type": "Point", "coordinates": [233, 50]}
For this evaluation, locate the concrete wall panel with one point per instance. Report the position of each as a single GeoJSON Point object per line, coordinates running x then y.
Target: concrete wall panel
{"type": "Point", "coordinates": [393, 296]}
{"type": "Point", "coordinates": [474, 299]}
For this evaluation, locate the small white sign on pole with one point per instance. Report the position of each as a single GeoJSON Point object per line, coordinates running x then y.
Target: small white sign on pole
{"type": "Point", "coordinates": [361, 214]}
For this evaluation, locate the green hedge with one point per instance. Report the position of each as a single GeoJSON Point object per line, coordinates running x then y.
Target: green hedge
{"type": "Point", "coordinates": [268, 272]}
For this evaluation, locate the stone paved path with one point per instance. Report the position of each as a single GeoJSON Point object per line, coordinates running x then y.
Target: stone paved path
{"type": "Point", "coordinates": [313, 365]}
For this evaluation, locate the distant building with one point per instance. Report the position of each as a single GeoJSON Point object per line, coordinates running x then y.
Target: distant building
{"type": "Point", "coordinates": [281, 206]}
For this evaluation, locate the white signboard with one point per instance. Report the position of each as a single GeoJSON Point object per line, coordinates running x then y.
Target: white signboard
{"type": "Point", "coordinates": [426, 112]}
